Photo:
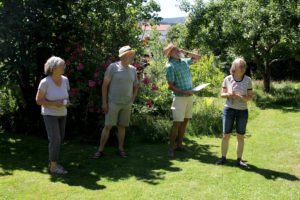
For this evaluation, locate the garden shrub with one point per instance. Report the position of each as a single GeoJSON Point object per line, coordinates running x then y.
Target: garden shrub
{"type": "Point", "coordinates": [207, 116]}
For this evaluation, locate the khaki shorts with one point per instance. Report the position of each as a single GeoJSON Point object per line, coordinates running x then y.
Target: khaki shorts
{"type": "Point", "coordinates": [118, 114]}
{"type": "Point", "coordinates": [182, 107]}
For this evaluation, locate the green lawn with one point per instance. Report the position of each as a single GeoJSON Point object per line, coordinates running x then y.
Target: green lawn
{"type": "Point", "coordinates": [272, 151]}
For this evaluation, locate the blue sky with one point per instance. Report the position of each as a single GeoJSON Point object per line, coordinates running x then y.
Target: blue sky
{"type": "Point", "coordinates": [170, 8]}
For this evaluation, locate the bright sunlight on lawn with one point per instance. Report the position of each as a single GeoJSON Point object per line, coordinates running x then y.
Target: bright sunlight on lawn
{"type": "Point", "coordinates": [272, 152]}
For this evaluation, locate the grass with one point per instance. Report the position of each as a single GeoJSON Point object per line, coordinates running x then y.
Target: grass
{"type": "Point", "coordinates": [283, 95]}
{"type": "Point", "coordinates": [272, 150]}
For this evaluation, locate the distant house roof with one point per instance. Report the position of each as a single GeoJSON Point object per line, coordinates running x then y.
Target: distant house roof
{"type": "Point", "coordinates": [161, 27]}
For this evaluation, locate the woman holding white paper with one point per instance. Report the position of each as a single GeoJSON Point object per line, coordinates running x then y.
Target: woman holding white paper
{"type": "Point", "coordinates": [237, 89]}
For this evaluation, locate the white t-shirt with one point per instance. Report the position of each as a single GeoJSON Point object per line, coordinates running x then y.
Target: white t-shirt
{"type": "Point", "coordinates": [241, 87]}
{"type": "Point", "coordinates": [54, 93]}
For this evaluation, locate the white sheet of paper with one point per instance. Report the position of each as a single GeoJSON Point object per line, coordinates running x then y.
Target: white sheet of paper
{"type": "Point", "coordinates": [200, 87]}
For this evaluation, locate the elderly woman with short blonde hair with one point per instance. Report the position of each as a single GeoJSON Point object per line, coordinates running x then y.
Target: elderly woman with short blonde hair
{"type": "Point", "coordinates": [237, 89]}
{"type": "Point", "coordinates": [53, 97]}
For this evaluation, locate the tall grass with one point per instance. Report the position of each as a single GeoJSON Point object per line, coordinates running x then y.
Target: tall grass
{"type": "Point", "coordinates": [284, 94]}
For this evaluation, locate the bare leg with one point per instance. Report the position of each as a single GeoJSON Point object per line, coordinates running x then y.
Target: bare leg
{"type": "Point", "coordinates": [225, 144]}
{"type": "Point", "coordinates": [121, 137]}
{"type": "Point", "coordinates": [173, 134]}
{"type": "Point", "coordinates": [181, 132]}
{"type": "Point", "coordinates": [240, 145]}
{"type": "Point", "coordinates": [104, 137]}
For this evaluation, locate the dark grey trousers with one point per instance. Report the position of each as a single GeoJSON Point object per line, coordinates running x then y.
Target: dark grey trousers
{"type": "Point", "coordinates": [55, 127]}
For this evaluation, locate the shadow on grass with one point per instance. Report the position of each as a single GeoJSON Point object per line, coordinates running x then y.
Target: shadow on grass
{"type": "Point", "coordinates": [146, 162]}
{"type": "Point", "coordinates": [205, 156]}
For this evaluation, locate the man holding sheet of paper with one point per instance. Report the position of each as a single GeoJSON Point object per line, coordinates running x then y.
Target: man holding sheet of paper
{"type": "Point", "coordinates": [180, 82]}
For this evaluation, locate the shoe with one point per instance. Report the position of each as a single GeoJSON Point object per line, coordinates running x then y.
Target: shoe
{"type": "Point", "coordinates": [171, 153]}
{"type": "Point", "coordinates": [58, 170]}
{"type": "Point", "coordinates": [122, 153]}
{"type": "Point", "coordinates": [241, 163]}
{"type": "Point", "coordinates": [181, 148]}
{"type": "Point", "coordinates": [98, 154]}
{"type": "Point", "coordinates": [222, 161]}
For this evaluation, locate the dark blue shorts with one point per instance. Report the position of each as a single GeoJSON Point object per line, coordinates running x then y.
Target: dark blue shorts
{"type": "Point", "coordinates": [240, 117]}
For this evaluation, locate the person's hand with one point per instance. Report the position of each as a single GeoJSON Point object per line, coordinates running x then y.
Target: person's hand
{"type": "Point", "coordinates": [59, 103]}
{"type": "Point", "coordinates": [188, 93]}
{"type": "Point", "coordinates": [232, 95]}
{"type": "Point", "coordinates": [105, 107]}
{"type": "Point", "coordinates": [242, 98]}
{"type": "Point", "coordinates": [67, 102]}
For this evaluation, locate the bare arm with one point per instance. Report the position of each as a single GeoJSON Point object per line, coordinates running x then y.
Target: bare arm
{"type": "Point", "coordinates": [249, 96]}
{"type": "Point", "coordinates": [177, 90]}
{"type": "Point", "coordinates": [226, 94]}
{"type": "Point", "coordinates": [135, 91]}
{"type": "Point", "coordinates": [42, 101]}
{"type": "Point", "coordinates": [195, 57]}
{"type": "Point", "coordinates": [105, 86]}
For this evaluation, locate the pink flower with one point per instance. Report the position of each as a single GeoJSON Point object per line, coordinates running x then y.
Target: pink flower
{"type": "Point", "coordinates": [105, 65]}
{"type": "Point", "coordinates": [136, 65]}
{"type": "Point", "coordinates": [67, 49]}
{"type": "Point", "coordinates": [73, 56]}
{"type": "Point", "coordinates": [96, 74]}
{"type": "Point", "coordinates": [91, 109]}
{"type": "Point", "coordinates": [79, 49]}
{"type": "Point", "coordinates": [68, 62]}
{"type": "Point", "coordinates": [149, 103]}
{"type": "Point", "coordinates": [92, 83]}
{"type": "Point", "coordinates": [154, 87]}
{"type": "Point", "coordinates": [80, 66]}
{"type": "Point", "coordinates": [73, 92]}
{"type": "Point", "coordinates": [146, 80]}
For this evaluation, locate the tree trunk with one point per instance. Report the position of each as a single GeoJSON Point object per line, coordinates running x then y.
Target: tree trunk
{"type": "Point", "coordinates": [267, 77]}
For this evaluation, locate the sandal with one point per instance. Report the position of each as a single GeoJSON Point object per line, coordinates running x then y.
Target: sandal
{"type": "Point", "coordinates": [182, 149]}
{"type": "Point", "coordinates": [58, 170]}
{"type": "Point", "coordinates": [122, 154]}
{"type": "Point", "coordinates": [98, 154]}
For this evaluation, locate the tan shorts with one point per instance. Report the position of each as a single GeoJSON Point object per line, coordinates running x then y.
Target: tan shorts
{"type": "Point", "coordinates": [118, 114]}
{"type": "Point", "coordinates": [182, 107]}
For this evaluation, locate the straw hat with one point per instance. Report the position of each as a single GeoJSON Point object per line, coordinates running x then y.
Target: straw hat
{"type": "Point", "coordinates": [124, 50]}
{"type": "Point", "coordinates": [168, 49]}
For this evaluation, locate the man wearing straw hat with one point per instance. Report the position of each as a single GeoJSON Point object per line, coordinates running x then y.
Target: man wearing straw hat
{"type": "Point", "coordinates": [180, 82]}
{"type": "Point", "coordinates": [119, 89]}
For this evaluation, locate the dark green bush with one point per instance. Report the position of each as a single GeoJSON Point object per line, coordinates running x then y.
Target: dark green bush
{"type": "Point", "coordinates": [150, 128]}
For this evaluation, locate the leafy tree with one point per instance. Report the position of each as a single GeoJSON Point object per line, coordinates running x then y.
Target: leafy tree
{"type": "Point", "coordinates": [85, 33]}
{"type": "Point", "coordinates": [264, 31]}
{"type": "Point", "coordinates": [177, 34]}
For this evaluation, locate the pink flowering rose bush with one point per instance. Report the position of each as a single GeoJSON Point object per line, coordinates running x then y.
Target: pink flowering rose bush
{"type": "Point", "coordinates": [151, 110]}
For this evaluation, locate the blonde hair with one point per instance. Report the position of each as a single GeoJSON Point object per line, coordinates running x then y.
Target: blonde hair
{"type": "Point", "coordinates": [238, 62]}
{"type": "Point", "coordinates": [51, 64]}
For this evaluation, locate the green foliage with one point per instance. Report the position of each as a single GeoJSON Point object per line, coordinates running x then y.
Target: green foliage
{"type": "Point", "coordinates": [207, 116]}
{"type": "Point", "coordinates": [177, 34]}
{"type": "Point", "coordinates": [150, 128]}
{"type": "Point", "coordinates": [151, 111]}
{"type": "Point", "coordinates": [256, 30]}
{"type": "Point", "coordinates": [87, 34]}
{"type": "Point", "coordinates": [207, 70]}
{"type": "Point", "coordinates": [8, 106]}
